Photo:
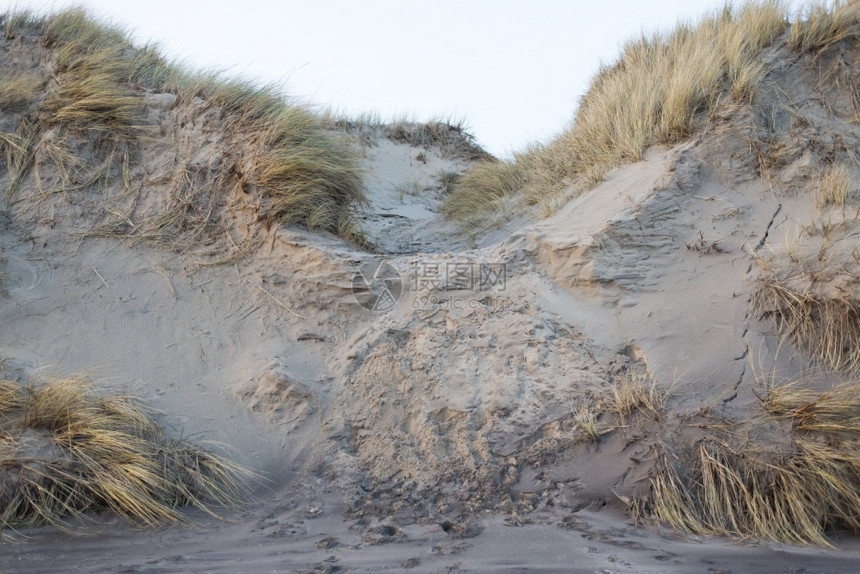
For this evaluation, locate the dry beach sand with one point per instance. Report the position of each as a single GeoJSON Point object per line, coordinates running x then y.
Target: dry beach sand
{"type": "Point", "coordinates": [464, 427]}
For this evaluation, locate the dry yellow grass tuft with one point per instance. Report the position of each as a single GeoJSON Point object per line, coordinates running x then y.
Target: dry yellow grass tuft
{"type": "Point", "coordinates": [659, 91]}
{"type": "Point", "coordinates": [836, 186]}
{"type": "Point", "coordinates": [654, 93]}
{"type": "Point", "coordinates": [794, 494]}
{"type": "Point", "coordinates": [305, 173]}
{"type": "Point", "coordinates": [489, 187]}
{"type": "Point", "coordinates": [819, 25]}
{"type": "Point", "coordinates": [825, 324]}
{"type": "Point", "coordinates": [638, 391]}
{"type": "Point", "coordinates": [308, 175]}
{"type": "Point", "coordinates": [66, 450]}
{"type": "Point", "coordinates": [17, 90]}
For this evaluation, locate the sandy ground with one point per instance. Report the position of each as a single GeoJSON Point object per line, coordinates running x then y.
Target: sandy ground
{"type": "Point", "coordinates": [284, 536]}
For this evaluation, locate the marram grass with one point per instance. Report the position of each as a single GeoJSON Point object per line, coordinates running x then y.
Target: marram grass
{"type": "Point", "coordinates": [638, 391]}
{"type": "Point", "coordinates": [66, 450]}
{"type": "Point", "coordinates": [305, 173]}
{"type": "Point", "coordinates": [835, 186]}
{"type": "Point", "coordinates": [819, 25]}
{"type": "Point", "coordinates": [794, 493]}
{"type": "Point", "coordinates": [661, 89]}
{"type": "Point", "coordinates": [825, 326]}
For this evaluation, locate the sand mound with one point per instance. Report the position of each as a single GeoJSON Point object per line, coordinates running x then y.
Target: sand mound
{"type": "Point", "coordinates": [279, 397]}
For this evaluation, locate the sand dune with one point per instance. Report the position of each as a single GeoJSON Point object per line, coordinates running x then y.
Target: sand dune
{"type": "Point", "coordinates": [433, 399]}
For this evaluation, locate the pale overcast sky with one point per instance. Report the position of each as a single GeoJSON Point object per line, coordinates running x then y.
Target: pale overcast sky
{"type": "Point", "coordinates": [513, 71]}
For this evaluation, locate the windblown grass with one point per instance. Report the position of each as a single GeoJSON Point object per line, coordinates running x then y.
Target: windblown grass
{"type": "Point", "coordinates": [660, 90]}
{"type": "Point", "coordinates": [795, 494]}
{"type": "Point", "coordinates": [485, 189]}
{"type": "Point", "coordinates": [819, 25]}
{"type": "Point", "coordinates": [825, 325]}
{"type": "Point", "coordinates": [836, 186]}
{"type": "Point", "coordinates": [93, 70]}
{"type": "Point", "coordinates": [638, 391]}
{"type": "Point", "coordinates": [305, 173]}
{"type": "Point", "coordinates": [308, 175]}
{"type": "Point", "coordinates": [66, 451]}
{"type": "Point", "coordinates": [479, 190]}
{"type": "Point", "coordinates": [90, 97]}
{"type": "Point", "coordinates": [17, 90]}
{"type": "Point", "coordinates": [16, 21]}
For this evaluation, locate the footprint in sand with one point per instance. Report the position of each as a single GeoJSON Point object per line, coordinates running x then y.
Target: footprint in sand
{"type": "Point", "coordinates": [23, 278]}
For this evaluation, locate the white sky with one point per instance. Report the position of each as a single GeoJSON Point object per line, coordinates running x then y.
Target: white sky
{"type": "Point", "coordinates": [512, 70]}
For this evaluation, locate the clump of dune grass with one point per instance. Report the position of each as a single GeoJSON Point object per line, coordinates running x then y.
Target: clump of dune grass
{"type": "Point", "coordinates": [66, 450]}
{"type": "Point", "coordinates": [819, 25]}
{"type": "Point", "coordinates": [662, 89]}
{"type": "Point", "coordinates": [304, 172]}
{"type": "Point", "coordinates": [822, 321]}
{"type": "Point", "coordinates": [791, 494]}
{"type": "Point", "coordinates": [489, 186]}
{"type": "Point", "coordinates": [480, 189]}
{"type": "Point", "coordinates": [19, 89]}
{"type": "Point", "coordinates": [90, 97]}
{"type": "Point", "coordinates": [658, 90]}
{"type": "Point", "coordinates": [450, 136]}
{"type": "Point", "coordinates": [16, 21]}
{"type": "Point", "coordinates": [308, 174]}
{"type": "Point", "coordinates": [835, 187]}
{"type": "Point", "coordinates": [93, 71]}
{"type": "Point", "coordinates": [586, 419]}
{"type": "Point", "coordinates": [638, 391]}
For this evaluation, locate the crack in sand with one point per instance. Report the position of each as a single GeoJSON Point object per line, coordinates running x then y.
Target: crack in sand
{"type": "Point", "coordinates": [767, 230]}
{"type": "Point", "coordinates": [732, 394]}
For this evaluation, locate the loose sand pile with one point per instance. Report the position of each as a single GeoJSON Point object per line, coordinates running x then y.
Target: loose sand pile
{"type": "Point", "coordinates": [537, 376]}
